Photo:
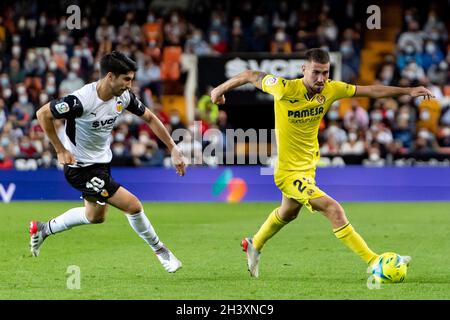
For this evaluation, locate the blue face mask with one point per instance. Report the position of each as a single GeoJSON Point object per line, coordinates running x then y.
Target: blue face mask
{"type": "Point", "coordinates": [5, 141]}
{"type": "Point", "coordinates": [333, 115]}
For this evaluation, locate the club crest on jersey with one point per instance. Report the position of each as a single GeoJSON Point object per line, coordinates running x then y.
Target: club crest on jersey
{"type": "Point", "coordinates": [320, 98]}
{"type": "Point", "coordinates": [119, 106]}
{"type": "Point", "coordinates": [271, 81]}
{"type": "Point", "coordinates": [62, 107]}
{"type": "Point", "coordinates": [104, 193]}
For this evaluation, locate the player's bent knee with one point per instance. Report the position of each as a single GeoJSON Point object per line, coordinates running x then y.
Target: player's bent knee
{"type": "Point", "coordinates": [134, 208]}
{"type": "Point", "coordinates": [96, 220]}
{"type": "Point", "coordinates": [289, 215]}
{"type": "Point", "coordinates": [336, 213]}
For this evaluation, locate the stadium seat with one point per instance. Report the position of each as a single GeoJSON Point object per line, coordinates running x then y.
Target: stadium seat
{"type": "Point", "coordinates": [170, 64]}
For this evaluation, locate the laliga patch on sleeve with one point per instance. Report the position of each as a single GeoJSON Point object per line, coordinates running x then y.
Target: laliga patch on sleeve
{"type": "Point", "coordinates": [62, 107]}
{"type": "Point", "coordinates": [271, 81]}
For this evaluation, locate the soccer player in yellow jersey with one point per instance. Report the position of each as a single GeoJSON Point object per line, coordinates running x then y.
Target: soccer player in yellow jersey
{"type": "Point", "coordinates": [300, 105]}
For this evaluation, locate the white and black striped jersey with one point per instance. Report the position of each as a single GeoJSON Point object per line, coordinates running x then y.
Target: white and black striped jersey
{"type": "Point", "coordinates": [90, 120]}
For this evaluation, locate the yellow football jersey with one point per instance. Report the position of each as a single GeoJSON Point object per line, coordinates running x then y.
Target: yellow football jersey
{"type": "Point", "coordinates": [297, 120]}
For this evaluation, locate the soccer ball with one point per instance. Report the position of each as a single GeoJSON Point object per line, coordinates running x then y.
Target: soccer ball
{"type": "Point", "coordinates": [389, 268]}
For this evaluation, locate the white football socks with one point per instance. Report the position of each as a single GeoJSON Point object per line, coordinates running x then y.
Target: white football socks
{"type": "Point", "coordinates": [70, 218]}
{"type": "Point", "coordinates": [142, 226]}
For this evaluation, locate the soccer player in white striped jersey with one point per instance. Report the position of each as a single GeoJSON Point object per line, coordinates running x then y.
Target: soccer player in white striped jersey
{"type": "Point", "coordinates": [90, 114]}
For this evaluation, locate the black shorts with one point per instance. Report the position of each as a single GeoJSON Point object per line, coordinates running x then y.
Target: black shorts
{"type": "Point", "coordinates": [93, 181]}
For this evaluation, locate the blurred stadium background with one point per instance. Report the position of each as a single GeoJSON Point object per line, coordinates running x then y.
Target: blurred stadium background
{"type": "Point", "coordinates": [372, 150]}
{"type": "Point", "coordinates": [183, 47]}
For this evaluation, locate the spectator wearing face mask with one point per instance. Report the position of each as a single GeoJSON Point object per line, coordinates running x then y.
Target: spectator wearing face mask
{"type": "Point", "coordinates": [412, 37]}
{"type": "Point", "coordinates": [3, 114]}
{"type": "Point", "coordinates": [425, 143]}
{"type": "Point", "coordinates": [374, 157]}
{"type": "Point", "coordinates": [195, 44]}
{"type": "Point", "coordinates": [356, 117]}
{"type": "Point", "coordinates": [350, 61]}
{"type": "Point", "coordinates": [443, 138]}
{"type": "Point", "coordinates": [218, 44]}
{"type": "Point", "coordinates": [16, 74]}
{"type": "Point", "coordinates": [429, 114]}
{"type": "Point", "coordinates": [281, 42]}
{"type": "Point", "coordinates": [27, 149]}
{"type": "Point", "coordinates": [438, 74]}
{"type": "Point", "coordinates": [435, 28]}
{"type": "Point", "coordinates": [6, 162]}
{"type": "Point", "coordinates": [46, 160]}
{"type": "Point", "coordinates": [432, 55]}
{"type": "Point", "coordinates": [353, 146]}
{"type": "Point", "coordinates": [70, 84]}
{"type": "Point", "coordinates": [407, 55]}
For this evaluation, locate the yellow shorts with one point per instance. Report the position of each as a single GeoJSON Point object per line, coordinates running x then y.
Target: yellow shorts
{"type": "Point", "coordinates": [299, 186]}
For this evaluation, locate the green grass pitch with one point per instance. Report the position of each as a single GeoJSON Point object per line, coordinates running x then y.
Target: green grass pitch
{"type": "Point", "coordinates": [303, 261]}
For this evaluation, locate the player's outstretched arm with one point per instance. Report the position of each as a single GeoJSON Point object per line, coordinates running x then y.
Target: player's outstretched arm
{"type": "Point", "coordinates": [45, 118]}
{"type": "Point", "coordinates": [379, 91]}
{"type": "Point", "coordinates": [161, 132]}
{"type": "Point", "coordinates": [248, 76]}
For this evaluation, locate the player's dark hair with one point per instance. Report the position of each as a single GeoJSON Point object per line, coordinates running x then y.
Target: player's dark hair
{"type": "Point", "coordinates": [317, 55]}
{"type": "Point", "coordinates": [117, 63]}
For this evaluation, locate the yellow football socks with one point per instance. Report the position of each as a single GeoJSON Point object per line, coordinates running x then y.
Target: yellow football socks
{"type": "Point", "coordinates": [272, 225]}
{"type": "Point", "coordinates": [355, 242]}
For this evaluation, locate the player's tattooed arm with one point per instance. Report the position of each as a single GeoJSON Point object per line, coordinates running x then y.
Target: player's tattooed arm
{"type": "Point", "coordinates": [248, 76]}
{"type": "Point", "coordinates": [379, 91]}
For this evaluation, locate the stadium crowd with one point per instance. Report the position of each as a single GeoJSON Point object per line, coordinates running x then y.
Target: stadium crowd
{"type": "Point", "coordinates": [40, 59]}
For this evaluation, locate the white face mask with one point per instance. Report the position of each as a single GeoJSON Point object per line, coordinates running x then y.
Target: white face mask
{"type": "Point", "coordinates": [374, 157]}
{"type": "Point", "coordinates": [174, 120]}
{"type": "Point", "coordinates": [7, 93]}
{"type": "Point", "coordinates": [46, 159]}
{"type": "Point", "coordinates": [424, 134]}
{"type": "Point", "coordinates": [352, 136]}
{"type": "Point", "coordinates": [118, 150]}
{"type": "Point", "coordinates": [120, 137]}
{"type": "Point", "coordinates": [333, 115]}
{"type": "Point", "coordinates": [425, 115]}
{"type": "Point", "coordinates": [71, 76]}
{"type": "Point", "coordinates": [21, 90]}
{"type": "Point", "coordinates": [4, 82]}
{"type": "Point", "coordinates": [376, 116]}
{"type": "Point", "coordinates": [16, 51]}
{"type": "Point", "coordinates": [25, 145]}
{"type": "Point", "coordinates": [144, 139]}
{"type": "Point", "coordinates": [280, 36]}
{"type": "Point", "coordinates": [390, 114]}
{"type": "Point", "coordinates": [23, 99]}
{"type": "Point", "coordinates": [50, 90]}
{"type": "Point", "coordinates": [214, 39]}
{"type": "Point", "coordinates": [43, 98]}
{"type": "Point", "coordinates": [52, 66]}
{"type": "Point", "coordinates": [430, 48]}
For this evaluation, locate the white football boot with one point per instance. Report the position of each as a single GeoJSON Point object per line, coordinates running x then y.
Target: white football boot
{"type": "Point", "coordinates": [253, 256]}
{"type": "Point", "coordinates": [168, 260]}
{"type": "Point", "coordinates": [37, 237]}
